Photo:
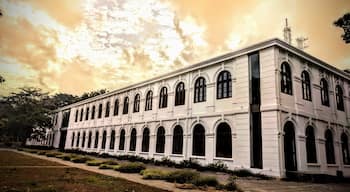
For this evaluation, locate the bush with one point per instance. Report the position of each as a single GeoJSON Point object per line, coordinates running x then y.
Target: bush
{"type": "Point", "coordinates": [41, 152]}
{"type": "Point", "coordinates": [205, 181]}
{"type": "Point", "coordinates": [94, 162]}
{"type": "Point", "coordinates": [32, 151]}
{"type": "Point", "coordinates": [242, 173]}
{"type": "Point", "coordinates": [218, 166]}
{"type": "Point", "coordinates": [182, 176]}
{"type": "Point", "coordinates": [154, 174]}
{"type": "Point", "coordinates": [52, 154]}
{"type": "Point", "coordinates": [110, 162]}
{"type": "Point", "coordinates": [107, 166]}
{"type": "Point", "coordinates": [65, 157]}
{"type": "Point", "coordinates": [133, 167]}
{"type": "Point", "coordinates": [80, 159]}
{"type": "Point", "coordinates": [193, 164]}
{"type": "Point", "coordinates": [19, 149]}
{"type": "Point", "coordinates": [231, 185]}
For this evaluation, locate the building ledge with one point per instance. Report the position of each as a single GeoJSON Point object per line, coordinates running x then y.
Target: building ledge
{"type": "Point", "coordinates": [313, 165]}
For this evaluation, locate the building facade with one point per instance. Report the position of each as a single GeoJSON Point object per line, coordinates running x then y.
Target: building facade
{"type": "Point", "coordinates": [269, 107]}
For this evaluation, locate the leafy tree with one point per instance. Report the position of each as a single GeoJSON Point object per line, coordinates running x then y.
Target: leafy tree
{"type": "Point", "coordinates": [2, 79]}
{"type": "Point", "coordinates": [92, 94]}
{"type": "Point", "coordinates": [27, 113]}
{"type": "Point", "coordinates": [344, 22]}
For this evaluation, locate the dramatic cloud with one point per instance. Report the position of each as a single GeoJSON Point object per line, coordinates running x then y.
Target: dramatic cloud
{"type": "Point", "coordinates": [79, 46]}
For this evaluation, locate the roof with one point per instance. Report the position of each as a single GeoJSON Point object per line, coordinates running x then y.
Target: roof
{"type": "Point", "coordinates": [252, 48]}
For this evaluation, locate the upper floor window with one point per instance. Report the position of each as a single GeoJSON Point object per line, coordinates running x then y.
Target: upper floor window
{"type": "Point", "coordinates": [93, 112]}
{"type": "Point", "coordinates": [286, 79]}
{"type": "Point", "coordinates": [324, 92]}
{"type": "Point", "coordinates": [180, 94]}
{"type": "Point", "coordinates": [87, 113]}
{"type": "Point", "coordinates": [99, 110]}
{"type": "Point", "coordinates": [81, 114]}
{"type": "Point", "coordinates": [137, 103]}
{"type": "Point", "coordinates": [200, 90]}
{"type": "Point", "coordinates": [116, 107]}
{"type": "Point", "coordinates": [76, 115]}
{"type": "Point", "coordinates": [107, 109]}
{"type": "Point", "coordinates": [306, 85]}
{"type": "Point", "coordinates": [148, 105]}
{"type": "Point", "coordinates": [339, 98]}
{"type": "Point", "coordinates": [163, 98]}
{"type": "Point", "coordinates": [126, 105]}
{"type": "Point", "coordinates": [224, 85]}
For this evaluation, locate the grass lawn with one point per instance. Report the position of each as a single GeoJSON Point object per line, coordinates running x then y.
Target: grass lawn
{"type": "Point", "coordinates": [57, 179]}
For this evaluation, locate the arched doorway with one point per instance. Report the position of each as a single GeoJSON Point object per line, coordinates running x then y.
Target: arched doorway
{"type": "Point", "coordinates": [290, 158]}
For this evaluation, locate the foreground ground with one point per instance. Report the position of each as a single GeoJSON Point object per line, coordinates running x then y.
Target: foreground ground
{"type": "Point", "coordinates": [24, 173]}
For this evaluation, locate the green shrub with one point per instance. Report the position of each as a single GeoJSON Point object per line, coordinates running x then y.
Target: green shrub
{"type": "Point", "coordinates": [242, 173]}
{"type": "Point", "coordinates": [154, 174]}
{"type": "Point", "coordinates": [52, 154]}
{"type": "Point", "coordinates": [80, 159]}
{"type": "Point", "coordinates": [32, 151]}
{"type": "Point", "coordinates": [110, 162]}
{"type": "Point", "coordinates": [182, 176]}
{"type": "Point", "coordinates": [41, 152]}
{"type": "Point", "coordinates": [217, 166]}
{"type": "Point", "coordinates": [65, 157]}
{"type": "Point", "coordinates": [231, 185]}
{"type": "Point", "coordinates": [94, 162]}
{"type": "Point", "coordinates": [205, 181]}
{"type": "Point", "coordinates": [133, 167]}
{"type": "Point", "coordinates": [19, 149]}
{"type": "Point", "coordinates": [107, 166]}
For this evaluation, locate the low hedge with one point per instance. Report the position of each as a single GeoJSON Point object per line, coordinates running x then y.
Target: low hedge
{"type": "Point", "coordinates": [110, 162]}
{"type": "Point", "coordinates": [132, 167]}
{"type": "Point", "coordinates": [65, 157]}
{"type": "Point", "coordinates": [154, 174]}
{"type": "Point", "coordinates": [52, 154]}
{"type": "Point", "coordinates": [94, 162]}
{"type": "Point", "coordinates": [41, 152]}
{"type": "Point", "coordinates": [182, 176]}
{"type": "Point", "coordinates": [205, 181]}
{"type": "Point", "coordinates": [80, 159]}
{"type": "Point", "coordinates": [107, 166]}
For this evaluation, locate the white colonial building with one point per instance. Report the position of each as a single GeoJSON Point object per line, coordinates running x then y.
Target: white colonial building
{"type": "Point", "coordinates": [269, 107]}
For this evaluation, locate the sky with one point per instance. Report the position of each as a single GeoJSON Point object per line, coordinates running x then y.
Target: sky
{"type": "Point", "coordinates": [73, 46]}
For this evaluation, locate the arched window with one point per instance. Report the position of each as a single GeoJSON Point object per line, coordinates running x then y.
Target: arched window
{"type": "Point", "coordinates": [180, 94]}
{"type": "Point", "coordinates": [198, 141]}
{"type": "Point", "coordinates": [76, 115]}
{"type": "Point", "coordinates": [83, 142]}
{"type": "Point", "coordinates": [126, 105]}
{"type": "Point", "coordinates": [177, 140]}
{"type": "Point", "coordinates": [122, 139]}
{"type": "Point", "coordinates": [306, 85]}
{"type": "Point", "coordinates": [111, 144]}
{"type": "Point", "coordinates": [224, 85]}
{"type": "Point", "coordinates": [145, 140]}
{"type": "Point", "coordinates": [148, 105]}
{"type": "Point", "coordinates": [104, 138]}
{"type": "Point", "coordinates": [137, 103]}
{"type": "Point", "coordinates": [99, 111]}
{"type": "Point", "coordinates": [339, 98]}
{"type": "Point", "coordinates": [324, 92]}
{"type": "Point", "coordinates": [93, 112]}
{"type": "Point", "coordinates": [78, 139]}
{"type": "Point", "coordinates": [116, 107]}
{"type": "Point", "coordinates": [96, 139]}
{"type": "Point", "coordinates": [200, 90]}
{"type": "Point", "coordinates": [163, 98]}
{"type": "Point", "coordinates": [81, 114]}
{"type": "Point", "coordinates": [132, 146]}
{"type": "Point", "coordinates": [160, 140]}
{"type": "Point", "coordinates": [223, 141]}
{"type": "Point", "coordinates": [286, 79]}
{"type": "Point", "coordinates": [310, 145]}
{"type": "Point", "coordinates": [89, 139]}
{"type": "Point", "coordinates": [107, 109]}
{"type": "Point", "coordinates": [87, 114]}
{"type": "Point", "coordinates": [345, 148]}
{"type": "Point", "coordinates": [329, 147]}
{"type": "Point", "coordinates": [72, 144]}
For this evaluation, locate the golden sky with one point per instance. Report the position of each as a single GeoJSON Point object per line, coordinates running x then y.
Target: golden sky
{"type": "Point", "coordinates": [74, 46]}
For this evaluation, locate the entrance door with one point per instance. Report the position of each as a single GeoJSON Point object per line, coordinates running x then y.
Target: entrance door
{"type": "Point", "coordinates": [62, 140]}
{"type": "Point", "coordinates": [290, 159]}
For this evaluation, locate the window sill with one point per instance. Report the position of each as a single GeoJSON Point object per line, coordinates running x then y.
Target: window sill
{"type": "Point", "coordinates": [313, 164]}
{"type": "Point", "coordinates": [197, 157]}
{"type": "Point", "coordinates": [176, 155]}
{"type": "Point", "coordinates": [158, 154]}
{"type": "Point", "coordinates": [223, 159]}
{"type": "Point", "coordinates": [143, 153]}
{"type": "Point", "coordinates": [346, 166]}
{"type": "Point", "coordinates": [132, 152]}
{"type": "Point", "coordinates": [332, 165]}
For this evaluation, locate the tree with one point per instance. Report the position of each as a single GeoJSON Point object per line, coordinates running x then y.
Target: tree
{"type": "Point", "coordinates": [27, 113]}
{"type": "Point", "coordinates": [92, 94]}
{"type": "Point", "coordinates": [344, 22]}
{"type": "Point", "coordinates": [2, 79]}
